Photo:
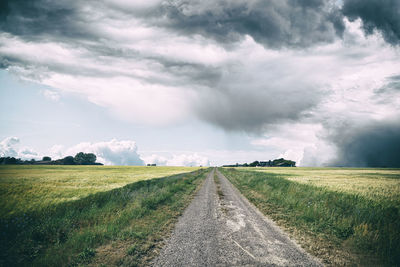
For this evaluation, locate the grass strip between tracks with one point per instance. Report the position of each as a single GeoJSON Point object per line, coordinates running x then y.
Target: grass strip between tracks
{"type": "Point", "coordinates": [123, 226]}
{"type": "Point", "coordinates": [338, 227]}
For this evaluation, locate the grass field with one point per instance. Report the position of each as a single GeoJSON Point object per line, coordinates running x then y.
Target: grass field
{"type": "Point", "coordinates": [31, 187]}
{"type": "Point", "coordinates": [383, 184]}
{"type": "Point", "coordinates": [89, 215]}
{"type": "Point", "coordinates": [343, 216]}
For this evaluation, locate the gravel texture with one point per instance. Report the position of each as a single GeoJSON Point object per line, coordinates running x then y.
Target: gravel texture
{"type": "Point", "coordinates": [221, 228]}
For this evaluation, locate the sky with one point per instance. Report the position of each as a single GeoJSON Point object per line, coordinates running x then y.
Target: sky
{"type": "Point", "coordinates": [190, 82]}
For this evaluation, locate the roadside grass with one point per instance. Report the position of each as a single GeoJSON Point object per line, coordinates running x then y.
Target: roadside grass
{"type": "Point", "coordinates": [218, 185]}
{"type": "Point", "coordinates": [134, 219]}
{"type": "Point", "coordinates": [342, 225]}
{"type": "Point", "coordinates": [26, 188]}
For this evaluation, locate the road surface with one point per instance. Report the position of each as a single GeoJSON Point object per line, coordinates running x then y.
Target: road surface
{"type": "Point", "coordinates": [221, 228]}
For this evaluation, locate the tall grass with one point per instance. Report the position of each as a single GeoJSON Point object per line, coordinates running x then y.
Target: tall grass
{"type": "Point", "coordinates": [356, 222]}
{"type": "Point", "coordinates": [73, 233]}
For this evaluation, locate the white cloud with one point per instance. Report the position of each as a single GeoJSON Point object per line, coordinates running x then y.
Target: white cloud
{"type": "Point", "coordinates": [8, 147]}
{"type": "Point", "coordinates": [134, 5]}
{"type": "Point", "coordinates": [27, 153]}
{"type": "Point", "coordinates": [187, 160]}
{"type": "Point", "coordinates": [155, 159]}
{"type": "Point", "coordinates": [216, 157]}
{"type": "Point", "coordinates": [290, 140]}
{"type": "Point", "coordinates": [130, 99]}
{"type": "Point", "coordinates": [113, 152]}
{"type": "Point", "coordinates": [222, 157]}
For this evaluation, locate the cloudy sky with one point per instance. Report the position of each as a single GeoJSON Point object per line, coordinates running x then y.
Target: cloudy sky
{"type": "Point", "coordinates": [190, 82]}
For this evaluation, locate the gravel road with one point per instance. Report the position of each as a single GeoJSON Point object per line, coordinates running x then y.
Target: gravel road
{"type": "Point", "coordinates": [221, 228]}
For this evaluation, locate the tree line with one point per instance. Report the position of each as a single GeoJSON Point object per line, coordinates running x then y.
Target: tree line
{"type": "Point", "coordinates": [271, 163]}
{"type": "Point", "coordinates": [80, 158]}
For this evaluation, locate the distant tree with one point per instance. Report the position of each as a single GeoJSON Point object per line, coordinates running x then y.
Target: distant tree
{"type": "Point", "coordinates": [91, 158]}
{"type": "Point", "coordinates": [69, 160]}
{"type": "Point", "coordinates": [11, 160]}
{"type": "Point", "coordinates": [283, 163]}
{"type": "Point", "coordinates": [46, 158]}
{"type": "Point", "coordinates": [85, 158]}
{"type": "Point", "coordinates": [254, 164]}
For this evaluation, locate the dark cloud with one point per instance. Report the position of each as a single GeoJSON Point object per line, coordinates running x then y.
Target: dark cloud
{"type": "Point", "coordinates": [383, 16]}
{"type": "Point", "coordinates": [394, 82]}
{"type": "Point", "coordinates": [388, 91]}
{"type": "Point", "coordinates": [395, 78]}
{"type": "Point", "coordinates": [4, 63]}
{"type": "Point", "coordinates": [191, 74]}
{"type": "Point", "coordinates": [242, 103]}
{"type": "Point", "coordinates": [376, 144]}
{"type": "Point", "coordinates": [178, 73]}
{"type": "Point", "coordinates": [252, 112]}
{"type": "Point", "coordinates": [229, 99]}
{"type": "Point", "coordinates": [71, 25]}
{"type": "Point", "coordinates": [275, 23]}
{"type": "Point", "coordinates": [35, 18]}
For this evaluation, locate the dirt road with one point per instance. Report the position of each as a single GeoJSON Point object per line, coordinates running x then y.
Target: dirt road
{"type": "Point", "coordinates": [221, 228]}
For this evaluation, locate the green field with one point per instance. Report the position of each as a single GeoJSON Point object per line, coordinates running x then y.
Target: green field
{"type": "Point", "coordinates": [372, 183]}
{"type": "Point", "coordinates": [343, 216]}
{"type": "Point", "coordinates": [28, 187]}
{"type": "Point", "coordinates": [89, 215]}
{"type": "Point", "coordinates": [109, 216]}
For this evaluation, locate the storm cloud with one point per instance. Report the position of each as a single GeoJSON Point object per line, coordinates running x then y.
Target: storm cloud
{"type": "Point", "coordinates": [251, 100]}
{"type": "Point", "coordinates": [393, 83]}
{"type": "Point", "coordinates": [35, 18]}
{"type": "Point", "coordinates": [81, 42]}
{"type": "Point", "coordinates": [372, 144]}
{"type": "Point", "coordinates": [383, 16]}
{"type": "Point", "coordinates": [274, 23]}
